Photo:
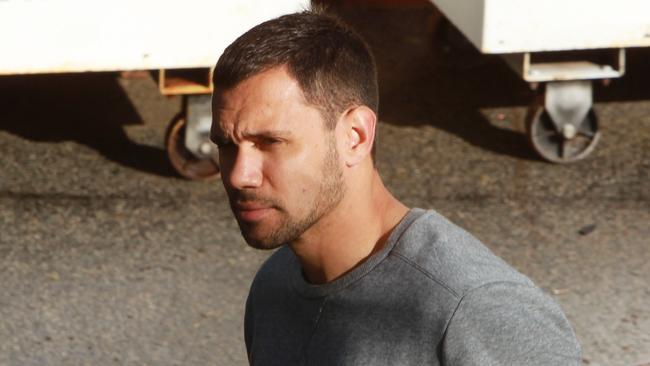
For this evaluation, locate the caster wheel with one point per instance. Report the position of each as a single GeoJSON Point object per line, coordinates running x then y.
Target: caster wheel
{"type": "Point", "coordinates": [561, 145]}
{"type": "Point", "coordinates": [182, 160]}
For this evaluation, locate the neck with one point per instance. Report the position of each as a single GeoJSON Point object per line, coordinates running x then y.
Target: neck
{"type": "Point", "coordinates": [354, 230]}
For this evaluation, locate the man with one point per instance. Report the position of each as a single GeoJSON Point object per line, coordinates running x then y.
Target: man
{"type": "Point", "coordinates": [359, 278]}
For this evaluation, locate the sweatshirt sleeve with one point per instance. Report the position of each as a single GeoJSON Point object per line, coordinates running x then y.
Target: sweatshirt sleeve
{"type": "Point", "coordinates": [508, 323]}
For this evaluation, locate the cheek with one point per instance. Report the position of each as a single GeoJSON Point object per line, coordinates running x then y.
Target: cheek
{"type": "Point", "coordinates": [295, 185]}
{"type": "Point", "coordinates": [226, 166]}
{"type": "Point", "coordinates": [296, 171]}
{"type": "Point", "coordinates": [225, 161]}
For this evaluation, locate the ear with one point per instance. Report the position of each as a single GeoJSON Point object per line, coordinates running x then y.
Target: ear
{"type": "Point", "coordinates": [357, 133]}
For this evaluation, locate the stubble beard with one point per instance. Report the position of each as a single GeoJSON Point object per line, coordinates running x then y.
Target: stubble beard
{"type": "Point", "coordinates": [330, 192]}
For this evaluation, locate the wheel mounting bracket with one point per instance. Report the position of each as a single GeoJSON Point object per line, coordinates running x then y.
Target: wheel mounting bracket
{"type": "Point", "coordinates": [199, 121]}
{"type": "Point", "coordinates": [568, 102]}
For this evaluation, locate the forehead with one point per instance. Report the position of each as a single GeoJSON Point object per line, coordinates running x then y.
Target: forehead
{"type": "Point", "coordinates": [272, 98]}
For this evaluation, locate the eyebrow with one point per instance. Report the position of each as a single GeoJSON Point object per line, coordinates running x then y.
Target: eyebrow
{"type": "Point", "coordinates": [267, 134]}
{"type": "Point", "coordinates": [278, 134]}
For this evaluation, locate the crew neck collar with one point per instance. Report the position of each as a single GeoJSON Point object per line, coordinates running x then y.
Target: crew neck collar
{"type": "Point", "coordinates": [307, 289]}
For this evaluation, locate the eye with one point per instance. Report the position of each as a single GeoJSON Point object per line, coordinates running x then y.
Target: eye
{"type": "Point", "coordinates": [266, 142]}
{"type": "Point", "coordinates": [223, 143]}
{"type": "Point", "coordinates": [269, 141]}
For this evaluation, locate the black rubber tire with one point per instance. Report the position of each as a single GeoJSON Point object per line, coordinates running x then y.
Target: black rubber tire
{"type": "Point", "coordinates": [551, 145]}
{"type": "Point", "coordinates": [183, 161]}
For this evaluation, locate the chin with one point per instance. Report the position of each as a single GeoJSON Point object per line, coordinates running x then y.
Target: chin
{"type": "Point", "coordinates": [262, 234]}
{"type": "Point", "coordinates": [257, 238]}
{"type": "Point", "coordinates": [261, 243]}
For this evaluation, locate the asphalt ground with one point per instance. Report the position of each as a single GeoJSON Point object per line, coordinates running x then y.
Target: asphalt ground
{"type": "Point", "coordinates": [106, 257]}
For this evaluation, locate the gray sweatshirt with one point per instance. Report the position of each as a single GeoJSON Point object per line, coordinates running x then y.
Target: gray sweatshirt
{"type": "Point", "coordinates": [434, 295]}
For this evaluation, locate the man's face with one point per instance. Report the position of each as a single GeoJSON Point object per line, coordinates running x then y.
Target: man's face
{"type": "Point", "coordinates": [279, 164]}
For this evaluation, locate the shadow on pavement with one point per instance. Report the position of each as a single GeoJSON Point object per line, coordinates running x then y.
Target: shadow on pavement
{"type": "Point", "coordinates": [634, 85]}
{"type": "Point", "coordinates": [426, 80]}
{"type": "Point", "coordinates": [430, 77]}
{"type": "Point", "coordinates": [89, 108]}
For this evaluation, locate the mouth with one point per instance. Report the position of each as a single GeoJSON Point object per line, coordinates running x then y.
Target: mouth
{"type": "Point", "coordinates": [251, 212]}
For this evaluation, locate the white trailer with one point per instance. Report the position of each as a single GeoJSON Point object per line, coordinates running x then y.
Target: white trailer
{"type": "Point", "coordinates": [182, 40]}
{"type": "Point", "coordinates": [560, 47]}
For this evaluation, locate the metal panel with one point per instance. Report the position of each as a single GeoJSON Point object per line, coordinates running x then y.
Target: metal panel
{"type": "Point", "coordinates": [562, 70]}
{"type": "Point", "coordinates": [468, 16]}
{"type": "Point", "coordinates": [519, 26]}
{"type": "Point", "coordinates": [43, 36]}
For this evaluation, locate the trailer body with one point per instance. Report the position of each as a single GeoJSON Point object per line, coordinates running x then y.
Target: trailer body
{"type": "Point", "coordinates": [68, 36]}
{"type": "Point", "coordinates": [519, 26]}
{"type": "Point", "coordinates": [560, 47]}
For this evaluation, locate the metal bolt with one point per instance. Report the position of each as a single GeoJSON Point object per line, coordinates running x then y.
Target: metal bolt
{"type": "Point", "coordinates": [205, 148]}
{"type": "Point", "coordinates": [569, 131]}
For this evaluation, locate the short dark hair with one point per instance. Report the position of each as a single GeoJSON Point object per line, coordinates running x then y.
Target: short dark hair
{"type": "Point", "coordinates": [332, 64]}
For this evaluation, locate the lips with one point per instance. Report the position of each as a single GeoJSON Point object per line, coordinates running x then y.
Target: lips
{"type": "Point", "coordinates": [251, 211]}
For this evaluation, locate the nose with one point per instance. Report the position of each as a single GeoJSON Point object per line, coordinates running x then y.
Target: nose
{"type": "Point", "coordinates": [242, 168]}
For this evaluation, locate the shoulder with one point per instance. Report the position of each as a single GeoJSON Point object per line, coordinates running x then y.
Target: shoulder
{"type": "Point", "coordinates": [270, 283]}
{"type": "Point", "coordinates": [451, 256]}
{"type": "Point", "coordinates": [500, 316]}
{"type": "Point", "coordinates": [275, 270]}
{"type": "Point", "coordinates": [272, 280]}
{"type": "Point", "coordinates": [505, 323]}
